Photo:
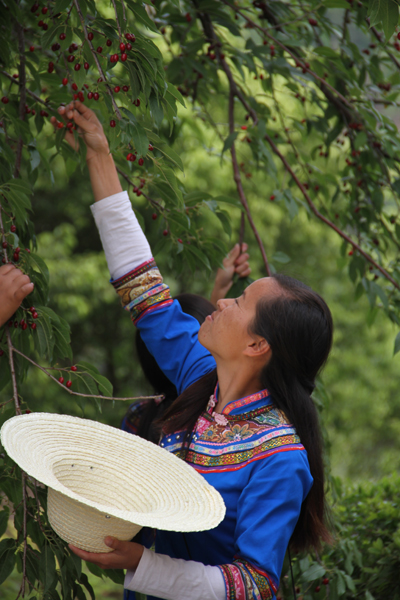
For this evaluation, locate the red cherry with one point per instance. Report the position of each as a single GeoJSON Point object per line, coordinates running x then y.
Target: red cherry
{"type": "Point", "coordinates": [73, 47]}
{"type": "Point", "coordinates": [73, 368]}
{"type": "Point", "coordinates": [100, 79]}
{"type": "Point", "coordinates": [129, 46]}
{"type": "Point", "coordinates": [124, 57]}
{"type": "Point", "coordinates": [70, 125]}
{"type": "Point", "coordinates": [317, 588]}
{"type": "Point", "coordinates": [18, 250]}
{"type": "Point", "coordinates": [96, 96]}
{"type": "Point", "coordinates": [55, 47]}
{"type": "Point", "coordinates": [116, 57]}
{"type": "Point", "coordinates": [31, 48]}
{"type": "Point", "coordinates": [41, 23]}
{"type": "Point", "coordinates": [180, 241]}
{"type": "Point", "coordinates": [33, 112]}
{"type": "Point", "coordinates": [112, 123]}
{"type": "Point", "coordinates": [34, 315]}
{"type": "Point", "coordinates": [15, 323]}
{"type": "Point", "coordinates": [117, 89]}
{"type": "Point", "coordinates": [65, 81]}
{"type": "Point", "coordinates": [13, 229]}
{"type": "Point", "coordinates": [61, 379]}
{"type": "Point", "coordinates": [351, 252]}
{"type": "Point", "coordinates": [151, 147]}
{"type": "Point", "coordinates": [99, 49]}
{"type": "Point", "coordinates": [313, 22]}
{"type": "Point", "coordinates": [86, 66]}
{"type": "Point", "coordinates": [125, 88]}
{"type": "Point", "coordinates": [28, 412]}
{"type": "Point", "coordinates": [108, 42]}
{"type": "Point", "coordinates": [188, 17]}
{"type": "Point", "coordinates": [71, 58]}
{"type": "Point", "coordinates": [62, 36]}
{"type": "Point", "coordinates": [244, 127]}
{"type": "Point", "coordinates": [122, 47]}
{"type": "Point", "coordinates": [90, 95]}
{"type": "Point", "coordinates": [1, 352]}
{"type": "Point", "coordinates": [165, 232]}
{"type": "Point", "coordinates": [140, 162]}
{"type": "Point", "coordinates": [81, 97]}
{"type": "Point", "coordinates": [272, 197]}
{"type": "Point", "coordinates": [5, 245]}
{"type": "Point", "coordinates": [68, 384]}
{"type": "Point", "coordinates": [5, 100]}
{"type": "Point", "coordinates": [33, 326]}
{"type": "Point", "coordinates": [44, 10]}
{"type": "Point", "coordinates": [15, 257]}
{"type": "Point", "coordinates": [34, 7]}
{"type": "Point", "coordinates": [137, 102]}
{"type": "Point", "coordinates": [74, 87]}
{"type": "Point", "coordinates": [45, 27]}
{"type": "Point", "coordinates": [24, 326]}
{"type": "Point", "coordinates": [90, 36]}
{"type": "Point", "coordinates": [154, 216]}
{"type": "Point", "coordinates": [32, 309]}
{"type": "Point", "coordinates": [77, 67]}
{"type": "Point", "coordinates": [325, 581]}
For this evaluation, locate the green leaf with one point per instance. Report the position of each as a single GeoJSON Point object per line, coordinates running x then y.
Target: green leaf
{"type": "Point", "coordinates": [61, 5]}
{"type": "Point", "coordinates": [47, 568]}
{"type": "Point", "coordinates": [141, 14]}
{"type": "Point", "coordinates": [397, 344]}
{"type": "Point", "coordinates": [200, 255]}
{"type": "Point", "coordinates": [314, 572]}
{"type": "Point", "coordinates": [228, 200]}
{"type": "Point", "coordinates": [7, 563]}
{"type": "Point", "coordinates": [386, 11]}
{"type": "Point", "coordinates": [280, 257]}
{"type": "Point", "coordinates": [229, 141]}
{"type": "Point", "coordinates": [4, 516]}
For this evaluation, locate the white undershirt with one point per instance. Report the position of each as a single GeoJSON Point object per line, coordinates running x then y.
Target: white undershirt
{"type": "Point", "coordinates": [126, 247]}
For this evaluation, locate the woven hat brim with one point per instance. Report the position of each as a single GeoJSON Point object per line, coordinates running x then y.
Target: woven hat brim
{"type": "Point", "coordinates": [112, 471]}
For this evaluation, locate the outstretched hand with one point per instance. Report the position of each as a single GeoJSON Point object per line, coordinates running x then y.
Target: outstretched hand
{"type": "Point", "coordinates": [90, 130]}
{"type": "Point", "coordinates": [14, 287]}
{"type": "Point", "coordinates": [235, 262]}
{"type": "Point", "coordinates": [125, 555]}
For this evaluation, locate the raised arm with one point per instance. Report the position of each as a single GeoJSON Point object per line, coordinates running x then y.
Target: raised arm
{"type": "Point", "coordinates": [169, 334]}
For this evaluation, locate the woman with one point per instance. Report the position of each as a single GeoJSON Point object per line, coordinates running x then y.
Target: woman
{"type": "Point", "coordinates": [254, 435]}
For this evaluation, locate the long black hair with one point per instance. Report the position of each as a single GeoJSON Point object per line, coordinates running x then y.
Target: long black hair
{"type": "Point", "coordinates": [298, 327]}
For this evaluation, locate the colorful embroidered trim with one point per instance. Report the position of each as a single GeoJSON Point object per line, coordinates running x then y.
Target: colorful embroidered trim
{"type": "Point", "coordinates": [142, 290]}
{"type": "Point", "coordinates": [244, 581]}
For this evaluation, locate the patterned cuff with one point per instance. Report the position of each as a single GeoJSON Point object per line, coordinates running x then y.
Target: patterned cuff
{"type": "Point", "coordinates": [142, 290]}
{"type": "Point", "coordinates": [244, 580]}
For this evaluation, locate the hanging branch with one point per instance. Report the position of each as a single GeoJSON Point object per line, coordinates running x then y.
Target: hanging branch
{"type": "Point", "coordinates": [116, 18]}
{"type": "Point", "coordinates": [44, 370]}
{"type": "Point", "coordinates": [25, 539]}
{"type": "Point", "coordinates": [22, 99]}
{"type": "Point", "coordinates": [117, 111]}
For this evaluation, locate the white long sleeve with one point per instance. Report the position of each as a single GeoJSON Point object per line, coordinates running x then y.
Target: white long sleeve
{"type": "Point", "coordinates": [175, 579]}
{"type": "Point", "coordinates": [124, 242]}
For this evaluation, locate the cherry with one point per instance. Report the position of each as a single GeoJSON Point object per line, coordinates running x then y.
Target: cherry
{"type": "Point", "coordinates": [131, 157]}
{"type": "Point", "coordinates": [34, 7]}
{"type": "Point", "coordinates": [61, 379]}
{"type": "Point", "coordinates": [31, 48]}
{"type": "Point", "coordinates": [77, 67]}
{"type": "Point", "coordinates": [325, 581]}
{"type": "Point", "coordinates": [55, 47]}
{"type": "Point", "coordinates": [129, 46]}
{"type": "Point", "coordinates": [33, 326]}
{"type": "Point", "coordinates": [137, 102]}
{"type": "Point", "coordinates": [13, 229]}
{"type": "Point", "coordinates": [99, 49]}
{"type": "Point", "coordinates": [15, 256]}
{"type": "Point", "coordinates": [151, 147]}
{"type": "Point", "coordinates": [70, 125]}
{"type": "Point", "coordinates": [140, 162]}
{"type": "Point", "coordinates": [108, 42]}
{"type": "Point", "coordinates": [73, 47]}
{"type": "Point", "coordinates": [5, 245]}
{"type": "Point", "coordinates": [86, 66]}
{"type": "Point", "coordinates": [74, 87]}
{"type": "Point", "coordinates": [122, 47]}
{"type": "Point", "coordinates": [1, 352]}
{"type": "Point", "coordinates": [180, 241]}
{"type": "Point", "coordinates": [165, 232]}
{"type": "Point", "coordinates": [188, 17]}
{"type": "Point", "coordinates": [96, 96]}
{"type": "Point", "coordinates": [5, 100]}
{"type": "Point", "coordinates": [351, 252]}
{"type": "Point", "coordinates": [90, 95]}
{"type": "Point", "coordinates": [45, 27]}
{"type": "Point", "coordinates": [313, 22]}
{"type": "Point", "coordinates": [44, 10]}
{"type": "Point", "coordinates": [70, 58]}
{"type": "Point", "coordinates": [51, 67]}
{"type": "Point", "coordinates": [28, 412]}
{"type": "Point", "coordinates": [74, 368]}
{"type": "Point", "coordinates": [117, 89]}
{"type": "Point", "coordinates": [124, 57]}
{"type": "Point", "coordinates": [112, 123]}
{"type": "Point", "coordinates": [244, 127]}
{"type": "Point", "coordinates": [317, 588]}
{"type": "Point", "coordinates": [272, 197]}
{"type": "Point", "coordinates": [62, 36]}
{"type": "Point", "coordinates": [154, 216]}
{"type": "Point", "coordinates": [41, 23]}
{"type": "Point", "coordinates": [32, 309]}
{"type": "Point", "coordinates": [68, 384]}
{"type": "Point", "coordinates": [24, 326]}
{"type": "Point", "coordinates": [130, 37]}
{"type": "Point", "coordinates": [81, 97]}
{"type": "Point", "coordinates": [65, 81]}
{"type": "Point", "coordinates": [34, 315]}
{"type": "Point", "coordinates": [15, 324]}
{"type": "Point", "coordinates": [212, 56]}
{"type": "Point", "coordinates": [125, 88]}
{"type": "Point", "coordinates": [90, 36]}
{"type": "Point", "coordinates": [138, 193]}
{"type": "Point", "coordinates": [100, 79]}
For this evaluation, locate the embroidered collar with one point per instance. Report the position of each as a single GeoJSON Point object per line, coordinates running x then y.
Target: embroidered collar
{"type": "Point", "coordinates": [240, 406]}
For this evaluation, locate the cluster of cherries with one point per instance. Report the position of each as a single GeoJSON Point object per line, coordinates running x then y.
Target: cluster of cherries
{"type": "Point", "coordinates": [23, 324]}
{"type": "Point", "coordinates": [69, 382]}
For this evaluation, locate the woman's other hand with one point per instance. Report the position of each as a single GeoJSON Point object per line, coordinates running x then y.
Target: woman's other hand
{"type": "Point", "coordinates": [14, 287]}
{"type": "Point", "coordinates": [125, 555]}
{"type": "Point", "coordinates": [90, 130]}
{"type": "Point", "coordinates": [235, 262]}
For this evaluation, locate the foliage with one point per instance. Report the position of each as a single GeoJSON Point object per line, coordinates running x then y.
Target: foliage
{"type": "Point", "coordinates": [365, 561]}
{"type": "Point", "coordinates": [266, 64]}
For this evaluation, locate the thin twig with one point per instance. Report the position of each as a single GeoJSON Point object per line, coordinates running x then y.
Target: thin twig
{"type": "Point", "coordinates": [116, 18]}
{"type": "Point", "coordinates": [109, 91]}
{"type": "Point", "coordinates": [22, 99]}
{"type": "Point", "coordinates": [157, 397]}
{"type": "Point", "coordinates": [32, 94]}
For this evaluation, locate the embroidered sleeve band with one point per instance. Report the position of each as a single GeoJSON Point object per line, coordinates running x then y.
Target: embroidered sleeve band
{"type": "Point", "coordinates": [247, 582]}
{"type": "Point", "coordinates": [142, 290]}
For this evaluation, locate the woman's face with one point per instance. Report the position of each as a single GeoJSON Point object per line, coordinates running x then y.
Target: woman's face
{"type": "Point", "coordinates": [225, 333]}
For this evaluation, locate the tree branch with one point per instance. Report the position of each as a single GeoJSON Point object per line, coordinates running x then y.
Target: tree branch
{"type": "Point", "coordinates": [22, 99]}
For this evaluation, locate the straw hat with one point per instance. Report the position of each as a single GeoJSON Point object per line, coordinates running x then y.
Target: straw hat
{"type": "Point", "coordinates": [103, 481]}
